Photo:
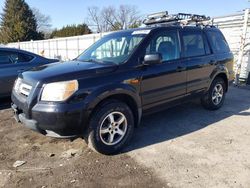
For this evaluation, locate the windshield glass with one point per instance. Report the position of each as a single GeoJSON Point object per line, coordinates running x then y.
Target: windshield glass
{"type": "Point", "coordinates": [114, 48]}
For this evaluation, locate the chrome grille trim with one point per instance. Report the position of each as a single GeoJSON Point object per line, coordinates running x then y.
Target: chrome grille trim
{"type": "Point", "coordinates": [25, 89]}
{"type": "Point", "coordinates": [22, 88]}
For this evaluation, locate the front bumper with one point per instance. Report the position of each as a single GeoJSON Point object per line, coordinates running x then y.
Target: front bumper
{"type": "Point", "coordinates": [55, 120]}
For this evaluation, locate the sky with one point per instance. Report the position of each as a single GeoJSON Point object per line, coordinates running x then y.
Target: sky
{"type": "Point", "coordinates": [63, 12]}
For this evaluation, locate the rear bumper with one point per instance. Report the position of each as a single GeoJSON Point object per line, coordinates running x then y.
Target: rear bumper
{"type": "Point", "coordinates": [55, 120]}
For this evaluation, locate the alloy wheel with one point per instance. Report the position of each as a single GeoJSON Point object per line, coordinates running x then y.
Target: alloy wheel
{"type": "Point", "coordinates": [113, 128]}
{"type": "Point", "coordinates": [217, 94]}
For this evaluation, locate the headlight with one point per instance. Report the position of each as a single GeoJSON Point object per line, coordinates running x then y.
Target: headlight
{"type": "Point", "coordinates": [17, 84]}
{"type": "Point", "coordinates": [59, 91]}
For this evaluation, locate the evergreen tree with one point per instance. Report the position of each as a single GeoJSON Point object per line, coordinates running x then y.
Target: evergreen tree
{"type": "Point", "coordinates": [18, 23]}
{"type": "Point", "coordinates": [71, 30]}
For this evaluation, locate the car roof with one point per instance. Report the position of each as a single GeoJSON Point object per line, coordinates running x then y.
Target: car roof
{"type": "Point", "coordinates": [19, 50]}
{"type": "Point", "coordinates": [159, 26]}
{"type": "Point", "coordinates": [180, 27]}
{"type": "Point", "coordinates": [148, 28]}
{"type": "Point", "coordinates": [151, 28]}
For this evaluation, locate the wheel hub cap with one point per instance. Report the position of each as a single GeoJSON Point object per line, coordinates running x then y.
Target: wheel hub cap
{"type": "Point", "coordinates": [217, 94]}
{"type": "Point", "coordinates": [113, 128]}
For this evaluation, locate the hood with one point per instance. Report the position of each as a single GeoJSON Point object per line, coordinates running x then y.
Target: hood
{"type": "Point", "coordinates": [66, 71]}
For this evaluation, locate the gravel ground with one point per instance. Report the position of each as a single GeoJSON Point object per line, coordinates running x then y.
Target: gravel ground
{"type": "Point", "coordinates": [185, 146]}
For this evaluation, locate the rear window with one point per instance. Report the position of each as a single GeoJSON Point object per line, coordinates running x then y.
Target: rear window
{"type": "Point", "coordinates": [193, 43]}
{"type": "Point", "coordinates": [218, 42]}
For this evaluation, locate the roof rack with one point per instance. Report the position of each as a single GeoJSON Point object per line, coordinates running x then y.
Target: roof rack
{"type": "Point", "coordinates": [181, 19]}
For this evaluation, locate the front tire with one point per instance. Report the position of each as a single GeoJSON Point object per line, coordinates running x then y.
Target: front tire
{"type": "Point", "coordinates": [111, 127]}
{"type": "Point", "coordinates": [214, 98]}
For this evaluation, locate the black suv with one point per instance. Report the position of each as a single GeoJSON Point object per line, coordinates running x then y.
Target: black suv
{"type": "Point", "coordinates": [102, 94]}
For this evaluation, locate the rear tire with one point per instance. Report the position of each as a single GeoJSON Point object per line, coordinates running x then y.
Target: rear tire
{"type": "Point", "coordinates": [111, 127]}
{"type": "Point", "coordinates": [214, 98]}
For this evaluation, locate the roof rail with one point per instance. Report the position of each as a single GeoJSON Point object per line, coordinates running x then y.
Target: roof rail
{"type": "Point", "coordinates": [182, 19]}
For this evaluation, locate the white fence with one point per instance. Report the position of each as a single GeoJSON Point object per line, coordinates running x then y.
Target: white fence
{"type": "Point", "coordinates": [231, 25]}
{"type": "Point", "coordinates": [236, 29]}
{"type": "Point", "coordinates": [63, 48]}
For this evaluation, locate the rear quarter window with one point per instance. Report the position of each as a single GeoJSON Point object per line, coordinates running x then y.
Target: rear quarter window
{"type": "Point", "coordinates": [218, 42]}
{"type": "Point", "coordinates": [20, 57]}
{"type": "Point", "coordinates": [24, 57]}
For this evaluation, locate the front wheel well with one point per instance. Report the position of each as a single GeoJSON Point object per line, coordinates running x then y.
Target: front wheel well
{"type": "Point", "coordinates": [224, 77]}
{"type": "Point", "coordinates": [123, 98]}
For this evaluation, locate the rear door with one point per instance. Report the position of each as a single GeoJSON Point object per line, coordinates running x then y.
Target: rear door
{"type": "Point", "coordinates": [221, 50]}
{"type": "Point", "coordinates": [166, 81]}
{"type": "Point", "coordinates": [199, 60]}
{"type": "Point", "coordinates": [11, 64]}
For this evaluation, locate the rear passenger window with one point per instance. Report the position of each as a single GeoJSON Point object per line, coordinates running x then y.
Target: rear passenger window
{"type": "Point", "coordinates": [218, 42]}
{"type": "Point", "coordinates": [193, 44]}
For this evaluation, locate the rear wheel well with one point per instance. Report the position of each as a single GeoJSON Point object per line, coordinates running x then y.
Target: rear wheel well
{"type": "Point", "coordinates": [123, 98]}
{"type": "Point", "coordinates": [224, 77]}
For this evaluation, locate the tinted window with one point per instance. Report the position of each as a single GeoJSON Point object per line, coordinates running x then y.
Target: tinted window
{"type": "Point", "coordinates": [4, 58]}
{"type": "Point", "coordinates": [24, 57]}
{"type": "Point", "coordinates": [218, 42]}
{"type": "Point", "coordinates": [193, 43]}
{"type": "Point", "coordinates": [165, 43]}
{"type": "Point", "coordinates": [14, 57]}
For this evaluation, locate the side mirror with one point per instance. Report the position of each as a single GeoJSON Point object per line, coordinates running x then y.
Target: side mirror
{"type": "Point", "coordinates": [151, 59]}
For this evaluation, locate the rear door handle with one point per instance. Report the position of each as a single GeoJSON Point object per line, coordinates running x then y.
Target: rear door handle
{"type": "Point", "coordinates": [180, 69]}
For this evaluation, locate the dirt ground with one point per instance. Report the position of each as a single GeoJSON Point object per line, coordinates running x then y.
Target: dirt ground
{"type": "Point", "coordinates": [185, 146]}
{"type": "Point", "coordinates": [62, 163]}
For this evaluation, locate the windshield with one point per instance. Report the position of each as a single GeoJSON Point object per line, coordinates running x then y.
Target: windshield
{"type": "Point", "coordinates": [114, 48]}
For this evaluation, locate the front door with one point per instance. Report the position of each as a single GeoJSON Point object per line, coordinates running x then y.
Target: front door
{"type": "Point", "coordinates": [166, 81]}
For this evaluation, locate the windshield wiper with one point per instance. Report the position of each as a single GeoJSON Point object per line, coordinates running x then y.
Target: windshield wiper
{"type": "Point", "coordinates": [95, 61]}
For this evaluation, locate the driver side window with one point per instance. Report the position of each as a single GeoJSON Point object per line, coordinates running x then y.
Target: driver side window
{"type": "Point", "coordinates": [167, 44]}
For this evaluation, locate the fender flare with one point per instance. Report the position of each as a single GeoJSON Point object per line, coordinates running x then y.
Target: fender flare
{"type": "Point", "coordinates": [218, 70]}
{"type": "Point", "coordinates": [104, 92]}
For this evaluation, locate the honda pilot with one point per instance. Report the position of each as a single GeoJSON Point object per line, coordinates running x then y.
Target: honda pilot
{"type": "Point", "coordinates": [103, 94]}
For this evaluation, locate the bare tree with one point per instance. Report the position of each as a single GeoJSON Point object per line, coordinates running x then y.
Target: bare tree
{"type": "Point", "coordinates": [95, 18]}
{"type": "Point", "coordinates": [128, 16]}
{"type": "Point", "coordinates": [109, 14]}
{"type": "Point", "coordinates": [43, 21]}
{"type": "Point", "coordinates": [111, 18]}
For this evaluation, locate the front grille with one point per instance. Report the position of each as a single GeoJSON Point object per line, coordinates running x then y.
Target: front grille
{"type": "Point", "coordinates": [25, 89]}
{"type": "Point", "coordinates": [22, 88]}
